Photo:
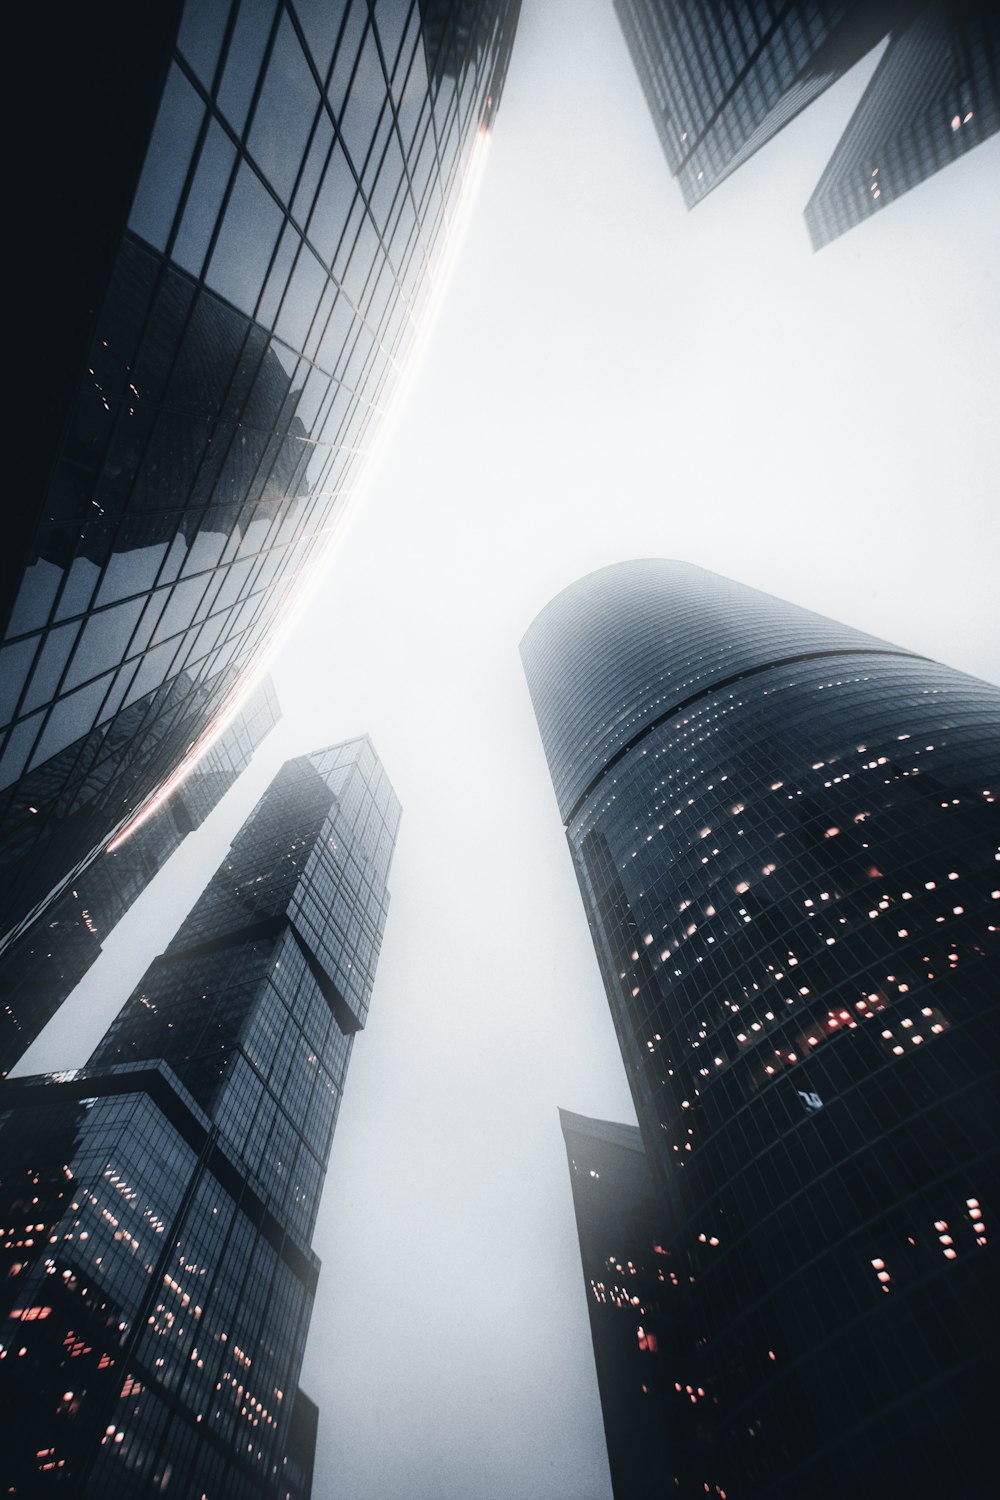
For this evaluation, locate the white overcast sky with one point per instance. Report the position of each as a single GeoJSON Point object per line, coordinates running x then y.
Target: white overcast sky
{"type": "Point", "coordinates": [609, 378]}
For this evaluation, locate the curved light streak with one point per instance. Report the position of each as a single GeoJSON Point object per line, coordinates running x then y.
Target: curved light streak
{"type": "Point", "coordinates": [439, 277]}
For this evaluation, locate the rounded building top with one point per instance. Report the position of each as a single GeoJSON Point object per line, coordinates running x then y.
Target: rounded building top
{"type": "Point", "coordinates": [626, 646]}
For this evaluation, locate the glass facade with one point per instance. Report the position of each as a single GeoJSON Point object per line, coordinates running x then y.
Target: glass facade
{"type": "Point", "coordinates": [789, 863]}
{"type": "Point", "coordinates": [300, 1453]}
{"type": "Point", "coordinates": [52, 955]}
{"type": "Point", "coordinates": [934, 95]}
{"type": "Point", "coordinates": [258, 193]}
{"type": "Point", "coordinates": [721, 80]}
{"type": "Point", "coordinates": [627, 1273]}
{"type": "Point", "coordinates": [159, 1205]}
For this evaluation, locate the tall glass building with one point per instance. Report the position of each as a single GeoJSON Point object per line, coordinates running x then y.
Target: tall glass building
{"type": "Point", "coordinates": [40, 968]}
{"type": "Point", "coordinates": [722, 80]}
{"type": "Point", "coordinates": [628, 1275]}
{"type": "Point", "coordinates": [158, 1206]}
{"type": "Point", "coordinates": [934, 95]}
{"type": "Point", "coordinates": [233, 215]}
{"type": "Point", "coordinates": [786, 838]}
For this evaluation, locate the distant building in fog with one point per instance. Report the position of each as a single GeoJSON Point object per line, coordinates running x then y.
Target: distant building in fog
{"type": "Point", "coordinates": [229, 214]}
{"type": "Point", "coordinates": [934, 95]}
{"type": "Point", "coordinates": [157, 1277]}
{"type": "Point", "coordinates": [39, 969]}
{"type": "Point", "coordinates": [721, 81]}
{"type": "Point", "coordinates": [785, 834]}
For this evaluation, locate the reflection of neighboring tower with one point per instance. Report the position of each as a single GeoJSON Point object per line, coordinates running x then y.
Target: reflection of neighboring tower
{"type": "Point", "coordinates": [256, 195]}
{"type": "Point", "coordinates": [934, 95]}
{"type": "Point", "coordinates": [39, 969]}
{"type": "Point", "coordinates": [720, 81]}
{"type": "Point", "coordinates": [635, 1302]}
{"type": "Point", "coordinates": [193, 1150]}
{"type": "Point", "coordinates": [785, 836]}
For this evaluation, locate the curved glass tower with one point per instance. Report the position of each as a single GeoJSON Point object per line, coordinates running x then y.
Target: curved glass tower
{"type": "Point", "coordinates": [233, 215]}
{"type": "Point", "coordinates": [786, 837]}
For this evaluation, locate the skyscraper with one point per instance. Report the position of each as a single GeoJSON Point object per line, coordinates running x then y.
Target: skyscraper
{"type": "Point", "coordinates": [720, 81]}
{"type": "Point", "coordinates": [934, 95]}
{"type": "Point", "coordinates": [627, 1274]}
{"type": "Point", "coordinates": [52, 955]}
{"type": "Point", "coordinates": [232, 216]}
{"type": "Point", "coordinates": [785, 834]}
{"type": "Point", "coordinates": [159, 1205]}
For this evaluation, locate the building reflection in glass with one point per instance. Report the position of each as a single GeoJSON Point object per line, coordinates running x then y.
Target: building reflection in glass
{"type": "Point", "coordinates": [257, 196]}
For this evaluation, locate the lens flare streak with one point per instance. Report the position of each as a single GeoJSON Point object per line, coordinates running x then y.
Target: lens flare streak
{"type": "Point", "coordinates": [439, 277]}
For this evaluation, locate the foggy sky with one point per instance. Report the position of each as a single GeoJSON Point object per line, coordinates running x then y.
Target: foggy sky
{"type": "Point", "coordinates": [610, 378]}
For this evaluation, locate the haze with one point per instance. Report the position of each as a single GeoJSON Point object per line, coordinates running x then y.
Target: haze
{"type": "Point", "coordinates": [609, 378]}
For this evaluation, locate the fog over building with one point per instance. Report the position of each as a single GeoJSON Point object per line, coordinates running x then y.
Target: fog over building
{"type": "Point", "coordinates": [720, 82]}
{"type": "Point", "coordinates": [934, 95]}
{"type": "Point", "coordinates": [785, 833]}
{"type": "Point", "coordinates": [849, 421]}
{"type": "Point", "coordinates": [257, 197]}
{"type": "Point", "coordinates": [40, 968]}
{"type": "Point", "coordinates": [160, 1204]}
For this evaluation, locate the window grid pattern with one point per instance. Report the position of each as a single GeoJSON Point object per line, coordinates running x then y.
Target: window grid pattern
{"type": "Point", "coordinates": [251, 1035]}
{"type": "Point", "coordinates": [255, 1002]}
{"type": "Point", "coordinates": [284, 235]}
{"type": "Point", "coordinates": [721, 81]}
{"type": "Point", "coordinates": [623, 647]}
{"type": "Point", "coordinates": [794, 895]}
{"type": "Point", "coordinates": [934, 95]}
{"type": "Point", "coordinates": [39, 970]}
{"type": "Point", "coordinates": [159, 1333]}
